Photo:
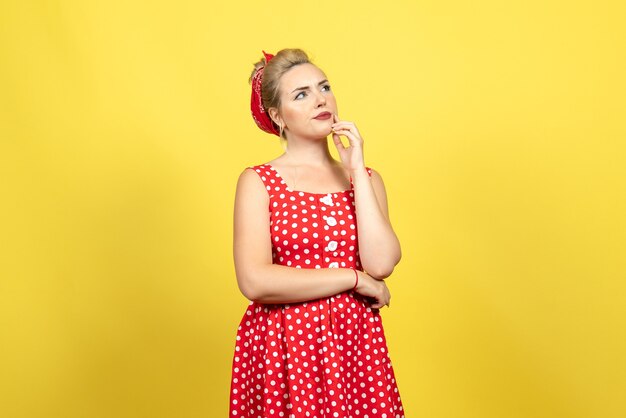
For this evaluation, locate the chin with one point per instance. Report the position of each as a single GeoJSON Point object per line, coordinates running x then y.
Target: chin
{"type": "Point", "coordinates": [326, 132]}
{"type": "Point", "coordinates": [319, 133]}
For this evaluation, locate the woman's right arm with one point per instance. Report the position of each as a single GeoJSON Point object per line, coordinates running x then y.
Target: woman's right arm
{"type": "Point", "coordinates": [261, 281]}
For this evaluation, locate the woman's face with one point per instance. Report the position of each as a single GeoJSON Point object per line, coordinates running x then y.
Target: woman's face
{"type": "Point", "coordinates": [304, 94]}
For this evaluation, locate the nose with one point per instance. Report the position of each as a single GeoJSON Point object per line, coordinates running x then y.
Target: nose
{"type": "Point", "coordinates": [321, 99]}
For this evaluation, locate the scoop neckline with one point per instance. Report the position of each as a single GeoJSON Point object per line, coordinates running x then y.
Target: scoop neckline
{"type": "Point", "coordinates": [302, 191]}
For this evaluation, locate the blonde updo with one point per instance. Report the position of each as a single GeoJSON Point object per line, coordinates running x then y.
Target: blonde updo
{"type": "Point", "coordinates": [282, 61]}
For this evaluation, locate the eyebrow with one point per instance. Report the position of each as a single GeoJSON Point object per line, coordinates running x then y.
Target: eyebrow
{"type": "Point", "coordinates": [306, 87]}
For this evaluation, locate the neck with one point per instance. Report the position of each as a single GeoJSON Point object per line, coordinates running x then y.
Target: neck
{"type": "Point", "coordinates": [312, 152]}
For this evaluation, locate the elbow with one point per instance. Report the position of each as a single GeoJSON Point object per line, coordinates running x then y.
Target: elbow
{"type": "Point", "coordinates": [380, 271]}
{"type": "Point", "coordinates": [253, 283]}
{"type": "Point", "coordinates": [248, 288]}
{"type": "Point", "coordinates": [247, 292]}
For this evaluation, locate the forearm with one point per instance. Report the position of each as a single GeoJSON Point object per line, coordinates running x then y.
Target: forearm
{"type": "Point", "coordinates": [379, 247]}
{"type": "Point", "coordinates": [274, 283]}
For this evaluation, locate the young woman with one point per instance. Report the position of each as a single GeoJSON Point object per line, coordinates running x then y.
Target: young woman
{"type": "Point", "coordinates": [312, 247]}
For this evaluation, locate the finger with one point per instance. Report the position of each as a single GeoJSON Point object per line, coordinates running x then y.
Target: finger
{"type": "Point", "coordinates": [344, 123]}
{"type": "Point", "coordinates": [346, 128]}
{"type": "Point", "coordinates": [340, 126]}
{"type": "Point", "coordinates": [337, 142]}
{"type": "Point", "coordinates": [352, 138]}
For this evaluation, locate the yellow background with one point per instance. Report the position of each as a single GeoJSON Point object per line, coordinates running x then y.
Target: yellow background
{"type": "Point", "coordinates": [497, 126]}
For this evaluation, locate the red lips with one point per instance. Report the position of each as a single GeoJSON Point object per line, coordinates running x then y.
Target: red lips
{"type": "Point", "coordinates": [323, 115]}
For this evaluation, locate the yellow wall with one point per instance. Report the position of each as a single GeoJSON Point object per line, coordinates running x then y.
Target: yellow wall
{"type": "Point", "coordinates": [498, 128]}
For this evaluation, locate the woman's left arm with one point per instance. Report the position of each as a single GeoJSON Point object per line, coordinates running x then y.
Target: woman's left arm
{"type": "Point", "coordinates": [379, 247]}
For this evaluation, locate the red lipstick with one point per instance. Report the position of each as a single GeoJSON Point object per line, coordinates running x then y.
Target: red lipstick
{"type": "Point", "coordinates": [323, 115]}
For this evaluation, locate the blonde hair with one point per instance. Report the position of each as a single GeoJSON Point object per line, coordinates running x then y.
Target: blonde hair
{"type": "Point", "coordinates": [282, 61]}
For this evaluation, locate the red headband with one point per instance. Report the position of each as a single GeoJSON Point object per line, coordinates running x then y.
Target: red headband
{"type": "Point", "coordinates": [259, 114]}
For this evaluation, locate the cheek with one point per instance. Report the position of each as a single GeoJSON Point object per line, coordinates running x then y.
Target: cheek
{"type": "Point", "coordinates": [289, 111]}
{"type": "Point", "coordinates": [293, 115]}
{"type": "Point", "coordinates": [332, 102]}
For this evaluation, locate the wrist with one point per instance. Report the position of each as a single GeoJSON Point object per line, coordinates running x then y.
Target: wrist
{"type": "Point", "coordinates": [356, 280]}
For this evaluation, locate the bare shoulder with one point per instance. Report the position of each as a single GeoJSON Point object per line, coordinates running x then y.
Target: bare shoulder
{"type": "Point", "coordinates": [376, 177]}
{"type": "Point", "coordinates": [374, 172]}
{"type": "Point", "coordinates": [250, 187]}
{"type": "Point", "coordinates": [278, 162]}
{"type": "Point", "coordinates": [249, 178]}
{"type": "Point", "coordinates": [379, 191]}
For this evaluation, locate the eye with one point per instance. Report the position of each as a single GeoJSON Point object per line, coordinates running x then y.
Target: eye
{"type": "Point", "coordinates": [327, 85]}
{"type": "Point", "coordinates": [299, 94]}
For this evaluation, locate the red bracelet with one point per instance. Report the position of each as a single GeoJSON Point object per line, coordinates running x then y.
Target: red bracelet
{"type": "Point", "coordinates": [357, 279]}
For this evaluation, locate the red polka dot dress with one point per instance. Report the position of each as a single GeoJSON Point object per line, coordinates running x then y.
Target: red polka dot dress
{"type": "Point", "coordinates": [322, 358]}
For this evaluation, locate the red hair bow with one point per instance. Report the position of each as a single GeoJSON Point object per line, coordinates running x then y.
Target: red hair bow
{"type": "Point", "coordinates": [259, 114]}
